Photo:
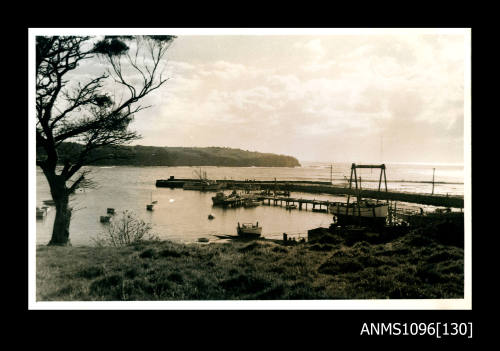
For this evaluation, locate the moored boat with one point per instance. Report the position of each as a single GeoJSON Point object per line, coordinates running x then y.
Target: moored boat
{"type": "Point", "coordinates": [41, 212]}
{"type": "Point", "coordinates": [249, 230]}
{"type": "Point", "coordinates": [202, 184]}
{"type": "Point", "coordinates": [364, 212]}
{"type": "Point", "coordinates": [251, 203]}
{"type": "Point", "coordinates": [219, 198]}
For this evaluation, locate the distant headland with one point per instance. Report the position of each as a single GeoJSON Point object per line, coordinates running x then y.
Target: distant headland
{"type": "Point", "coordinates": [139, 155]}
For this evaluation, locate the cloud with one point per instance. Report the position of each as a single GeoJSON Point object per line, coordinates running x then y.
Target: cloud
{"type": "Point", "coordinates": [335, 98]}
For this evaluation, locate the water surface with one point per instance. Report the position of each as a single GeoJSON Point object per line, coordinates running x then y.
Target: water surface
{"type": "Point", "coordinates": [182, 215]}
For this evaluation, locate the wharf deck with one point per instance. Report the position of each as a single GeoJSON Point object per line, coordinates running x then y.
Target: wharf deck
{"type": "Point", "coordinates": [302, 203]}
{"type": "Point", "coordinates": [326, 188]}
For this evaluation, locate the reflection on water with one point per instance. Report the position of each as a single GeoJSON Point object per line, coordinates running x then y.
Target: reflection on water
{"type": "Point", "coordinates": [182, 215]}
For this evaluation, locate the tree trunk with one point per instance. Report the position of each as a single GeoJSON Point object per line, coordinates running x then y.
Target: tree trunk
{"type": "Point", "coordinates": [60, 232]}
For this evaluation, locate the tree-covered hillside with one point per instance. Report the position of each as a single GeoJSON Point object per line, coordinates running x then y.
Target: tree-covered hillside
{"type": "Point", "coordinates": [177, 156]}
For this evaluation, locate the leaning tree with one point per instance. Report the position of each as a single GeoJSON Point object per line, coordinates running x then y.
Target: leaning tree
{"type": "Point", "coordinates": [92, 109]}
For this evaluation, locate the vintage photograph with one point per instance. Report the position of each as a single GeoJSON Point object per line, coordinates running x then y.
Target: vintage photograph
{"type": "Point", "coordinates": [279, 168]}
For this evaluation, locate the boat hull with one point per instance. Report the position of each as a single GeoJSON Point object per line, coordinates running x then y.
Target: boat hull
{"type": "Point", "coordinates": [202, 187]}
{"type": "Point", "coordinates": [249, 231]}
{"type": "Point", "coordinates": [361, 215]}
{"type": "Point", "coordinates": [251, 204]}
{"type": "Point", "coordinates": [161, 183]}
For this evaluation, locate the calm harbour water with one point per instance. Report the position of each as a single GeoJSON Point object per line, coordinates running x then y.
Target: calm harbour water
{"type": "Point", "coordinates": [182, 215]}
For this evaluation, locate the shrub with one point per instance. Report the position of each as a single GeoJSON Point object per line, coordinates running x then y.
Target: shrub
{"type": "Point", "coordinates": [109, 286]}
{"type": "Point", "coordinates": [319, 247]}
{"type": "Point", "coordinates": [126, 230]}
{"type": "Point", "coordinates": [91, 272]}
{"type": "Point", "coordinates": [330, 239]}
{"type": "Point", "coordinates": [280, 249]}
{"type": "Point", "coordinates": [254, 246]}
{"type": "Point", "coordinates": [170, 253]}
{"type": "Point", "coordinates": [148, 253]}
{"type": "Point", "coordinates": [245, 284]}
{"type": "Point", "coordinates": [340, 265]}
{"type": "Point", "coordinates": [176, 277]}
{"type": "Point", "coordinates": [132, 272]}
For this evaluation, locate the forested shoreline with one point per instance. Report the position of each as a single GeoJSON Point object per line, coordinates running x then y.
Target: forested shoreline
{"type": "Point", "coordinates": [139, 155]}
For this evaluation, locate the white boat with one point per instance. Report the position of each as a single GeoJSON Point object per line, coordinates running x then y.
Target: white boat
{"type": "Point", "coordinates": [249, 230]}
{"type": "Point", "coordinates": [361, 212]}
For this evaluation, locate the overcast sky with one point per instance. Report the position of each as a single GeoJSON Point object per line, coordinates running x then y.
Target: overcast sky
{"type": "Point", "coordinates": [352, 98]}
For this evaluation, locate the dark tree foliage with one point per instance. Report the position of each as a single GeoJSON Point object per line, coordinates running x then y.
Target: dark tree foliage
{"type": "Point", "coordinates": [85, 111]}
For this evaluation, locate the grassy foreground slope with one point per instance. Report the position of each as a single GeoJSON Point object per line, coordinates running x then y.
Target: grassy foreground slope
{"type": "Point", "coordinates": [412, 266]}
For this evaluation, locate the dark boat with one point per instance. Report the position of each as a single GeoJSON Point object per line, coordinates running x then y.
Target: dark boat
{"type": "Point", "coordinates": [170, 183]}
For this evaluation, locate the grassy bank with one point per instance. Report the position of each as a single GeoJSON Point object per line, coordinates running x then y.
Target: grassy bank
{"type": "Point", "coordinates": [414, 265]}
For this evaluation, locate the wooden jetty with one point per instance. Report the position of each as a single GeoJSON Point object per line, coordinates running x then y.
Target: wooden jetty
{"type": "Point", "coordinates": [314, 205]}
{"type": "Point", "coordinates": [327, 188]}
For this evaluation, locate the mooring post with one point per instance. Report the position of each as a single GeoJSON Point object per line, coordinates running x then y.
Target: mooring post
{"type": "Point", "coordinates": [433, 170]}
{"type": "Point", "coordinates": [284, 237]}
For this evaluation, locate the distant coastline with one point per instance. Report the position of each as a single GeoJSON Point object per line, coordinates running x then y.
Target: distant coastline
{"type": "Point", "coordinates": [178, 156]}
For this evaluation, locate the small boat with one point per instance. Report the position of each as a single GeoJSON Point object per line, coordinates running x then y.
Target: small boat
{"type": "Point", "coordinates": [155, 201]}
{"type": "Point", "coordinates": [41, 212]}
{"type": "Point", "coordinates": [251, 203]}
{"type": "Point", "coordinates": [211, 216]}
{"type": "Point", "coordinates": [221, 199]}
{"type": "Point", "coordinates": [291, 207]}
{"type": "Point", "coordinates": [282, 193]}
{"type": "Point", "coordinates": [105, 219]}
{"type": "Point", "coordinates": [203, 240]}
{"type": "Point", "coordinates": [110, 211]}
{"type": "Point", "coordinates": [149, 207]}
{"type": "Point", "coordinates": [249, 230]}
